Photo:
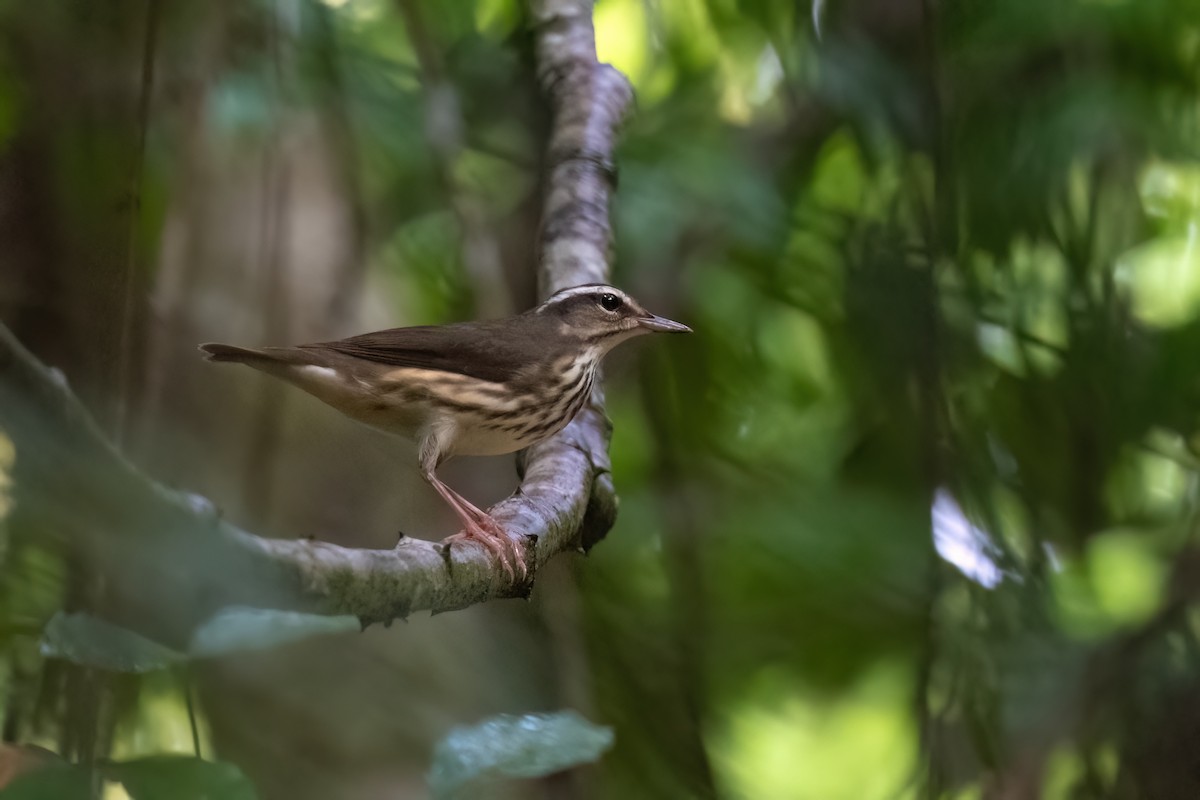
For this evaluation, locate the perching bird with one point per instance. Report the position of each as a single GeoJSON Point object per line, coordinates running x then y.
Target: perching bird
{"type": "Point", "coordinates": [471, 388]}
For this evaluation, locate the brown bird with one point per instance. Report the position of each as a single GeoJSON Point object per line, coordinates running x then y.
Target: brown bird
{"type": "Point", "coordinates": [471, 388]}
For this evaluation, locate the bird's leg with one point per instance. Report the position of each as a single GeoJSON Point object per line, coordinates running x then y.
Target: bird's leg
{"type": "Point", "coordinates": [478, 525]}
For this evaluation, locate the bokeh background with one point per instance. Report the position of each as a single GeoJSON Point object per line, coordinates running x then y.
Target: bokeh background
{"type": "Point", "coordinates": [913, 514]}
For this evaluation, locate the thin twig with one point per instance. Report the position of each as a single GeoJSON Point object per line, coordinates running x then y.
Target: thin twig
{"type": "Point", "coordinates": [134, 200]}
{"type": "Point", "coordinates": [189, 698]}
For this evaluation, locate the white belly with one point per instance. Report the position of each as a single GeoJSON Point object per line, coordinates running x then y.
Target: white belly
{"type": "Point", "coordinates": [470, 438]}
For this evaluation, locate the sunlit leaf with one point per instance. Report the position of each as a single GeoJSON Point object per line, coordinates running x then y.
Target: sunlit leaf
{"type": "Point", "coordinates": [1171, 194]}
{"type": "Point", "coordinates": [526, 746]}
{"type": "Point", "coordinates": [778, 734]}
{"type": "Point", "coordinates": [1128, 577]}
{"type": "Point", "coordinates": [840, 179]}
{"type": "Point", "coordinates": [621, 36]}
{"type": "Point", "coordinates": [1163, 279]}
{"type": "Point", "coordinates": [93, 642]}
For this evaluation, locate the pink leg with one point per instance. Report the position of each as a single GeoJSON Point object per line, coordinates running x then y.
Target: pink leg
{"type": "Point", "coordinates": [479, 526]}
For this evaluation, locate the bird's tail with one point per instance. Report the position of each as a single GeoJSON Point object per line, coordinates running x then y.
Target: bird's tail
{"type": "Point", "coordinates": [214, 351]}
{"type": "Point", "coordinates": [277, 361]}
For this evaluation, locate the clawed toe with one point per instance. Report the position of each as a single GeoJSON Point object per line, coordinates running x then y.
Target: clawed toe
{"type": "Point", "coordinates": [496, 542]}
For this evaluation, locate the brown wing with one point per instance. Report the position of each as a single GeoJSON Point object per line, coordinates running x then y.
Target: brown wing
{"type": "Point", "coordinates": [495, 351]}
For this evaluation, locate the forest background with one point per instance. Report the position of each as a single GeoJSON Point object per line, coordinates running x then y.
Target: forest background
{"type": "Point", "coordinates": [912, 514]}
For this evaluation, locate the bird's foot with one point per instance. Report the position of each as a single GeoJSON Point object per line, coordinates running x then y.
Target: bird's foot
{"type": "Point", "coordinates": [496, 541]}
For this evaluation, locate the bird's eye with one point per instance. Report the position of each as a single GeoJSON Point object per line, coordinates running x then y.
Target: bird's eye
{"type": "Point", "coordinates": [610, 302]}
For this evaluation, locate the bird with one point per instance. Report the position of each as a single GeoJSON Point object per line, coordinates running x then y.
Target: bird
{"type": "Point", "coordinates": [478, 388]}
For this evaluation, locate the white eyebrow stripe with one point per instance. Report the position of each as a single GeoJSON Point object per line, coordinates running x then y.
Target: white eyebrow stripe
{"type": "Point", "coordinates": [575, 291]}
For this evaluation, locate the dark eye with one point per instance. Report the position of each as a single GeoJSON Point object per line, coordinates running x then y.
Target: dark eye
{"type": "Point", "coordinates": [610, 302]}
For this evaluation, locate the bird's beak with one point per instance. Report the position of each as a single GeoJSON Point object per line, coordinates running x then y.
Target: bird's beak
{"type": "Point", "coordinates": [663, 325]}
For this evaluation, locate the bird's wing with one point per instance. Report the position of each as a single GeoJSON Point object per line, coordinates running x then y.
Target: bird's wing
{"type": "Point", "coordinates": [486, 350]}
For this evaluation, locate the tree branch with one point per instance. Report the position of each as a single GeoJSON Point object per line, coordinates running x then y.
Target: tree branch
{"type": "Point", "coordinates": [72, 478]}
{"type": "Point", "coordinates": [589, 100]}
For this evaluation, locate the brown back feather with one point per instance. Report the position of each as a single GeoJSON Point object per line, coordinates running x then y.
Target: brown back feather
{"type": "Point", "coordinates": [494, 350]}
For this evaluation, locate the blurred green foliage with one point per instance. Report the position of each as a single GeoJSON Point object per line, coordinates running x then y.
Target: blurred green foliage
{"type": "Point", "coordinates": [941, 247]}
{"type": "Point", "coordinates": [152, 778]}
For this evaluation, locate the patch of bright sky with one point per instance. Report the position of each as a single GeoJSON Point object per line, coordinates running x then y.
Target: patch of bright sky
{"type": "Point", "coordinates": [963, 544]}
{"type": "Point", "coordinates": [769, 72]}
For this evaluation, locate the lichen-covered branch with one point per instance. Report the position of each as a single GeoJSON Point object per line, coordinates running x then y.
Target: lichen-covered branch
{"type": "Point", "coordinates": [589, 100]}
{"type": "Point", "coordinates": [70, 471]}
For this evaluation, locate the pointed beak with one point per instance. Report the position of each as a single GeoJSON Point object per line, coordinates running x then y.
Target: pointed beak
{"type": "Point", "coordinates": [663, 325]}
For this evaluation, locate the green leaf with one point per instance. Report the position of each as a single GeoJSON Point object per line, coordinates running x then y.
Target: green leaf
{"type": "Point", "coordinates": [93, 642]}
{"type": "Point", "coordinates": [237, 629]}
{"type": "Point", "coordinates": [59, 782]}
{"type": "Point", "coordinates": [176, 777]}
{"type": "Point", "coordinates": [526, 746]}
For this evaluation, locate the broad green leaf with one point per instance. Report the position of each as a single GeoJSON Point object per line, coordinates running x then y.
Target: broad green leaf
{"type": "Point", "coordinates": [60, 782]}
{"type": "Point", "coordinates": [237, 629]}
{"type": "Point", "coordinates": [177, 777]}
{"type": "Point", "coordinates": [93, 642]}
{"type": "Point", "coordinates": [526, 746]}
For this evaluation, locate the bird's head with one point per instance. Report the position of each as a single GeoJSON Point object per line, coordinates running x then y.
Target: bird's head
{"type": "Point", "coordinates": [604, 315]}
